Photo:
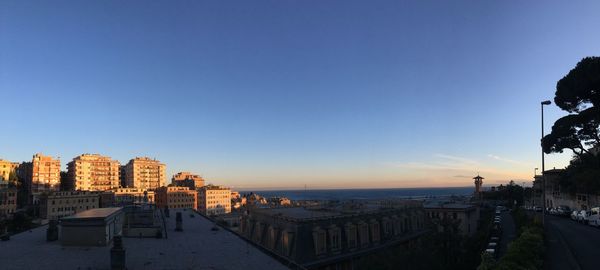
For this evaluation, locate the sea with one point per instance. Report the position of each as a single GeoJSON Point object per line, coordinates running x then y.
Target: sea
{"type": "Point", "coordinates": [365, 194]}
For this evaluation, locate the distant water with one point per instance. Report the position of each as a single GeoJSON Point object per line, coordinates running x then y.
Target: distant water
{"type": "Point", "coordinates": [357, 194]}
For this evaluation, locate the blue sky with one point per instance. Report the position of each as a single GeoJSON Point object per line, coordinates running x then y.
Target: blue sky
{"type": "Point", "coordinates": [282, 94]}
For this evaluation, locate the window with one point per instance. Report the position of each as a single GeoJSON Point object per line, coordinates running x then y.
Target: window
{"type": "Point", "coordinates": [320, 241]}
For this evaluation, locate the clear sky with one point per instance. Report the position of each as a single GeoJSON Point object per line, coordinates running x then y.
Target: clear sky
{"type": "Point", "coordinates": [282, 94]}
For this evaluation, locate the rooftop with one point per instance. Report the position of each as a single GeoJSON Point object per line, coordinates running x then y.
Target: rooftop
{"type": "Point", "coordinates": [94, 213]}
{"type": "Point", "coordinates": [456, 206]}
{"type": "Point", "coordinates": [197, 247]}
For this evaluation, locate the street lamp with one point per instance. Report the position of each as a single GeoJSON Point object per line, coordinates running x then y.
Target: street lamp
{"type": "Point", "coordinates": [546, 102]}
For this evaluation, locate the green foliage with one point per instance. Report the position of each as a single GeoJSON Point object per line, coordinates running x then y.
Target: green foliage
{"type": "Point", "coordinates": [526, 252]}
{"type": "Point", "coordinates": [509, 194]}
{"type": "Point", "coordinates": [487, 262]}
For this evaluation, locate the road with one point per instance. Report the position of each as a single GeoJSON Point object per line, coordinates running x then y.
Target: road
{"type": "Point", "coordinates": [571, 245]}
{"type": "Point", "coordinates": [508, 232]}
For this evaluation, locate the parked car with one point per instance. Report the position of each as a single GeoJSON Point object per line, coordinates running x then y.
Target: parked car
{"type": "Point", "coordinates": [563, 210]}
{"type": "Point", "coordinates": [582, 216]}
{"type": "Point", "coordinates": [593, 218]}
{"type": "Point", "coordinates": [553, 211]}
{"type": "Point", "coordinates": [574, 215]}
{"type": "Point", "coordinates": [494, 239]}
{"type": "Point", "coordinates": [537, 208]}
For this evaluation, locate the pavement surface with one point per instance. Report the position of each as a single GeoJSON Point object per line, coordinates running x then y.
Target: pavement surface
{"type": "Point", "coordinates": [571, 245]}
{"type": "Point", "coordinates": [508, 232]}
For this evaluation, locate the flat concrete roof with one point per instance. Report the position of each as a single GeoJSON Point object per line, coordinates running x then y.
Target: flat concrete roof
{"type": "Point", "coordinates": [94, 213]}
{"type": "Point", "coordinates": [197, 247]}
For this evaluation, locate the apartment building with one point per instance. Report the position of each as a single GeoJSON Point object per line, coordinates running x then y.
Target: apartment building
{"type": "Point", "coordinates": [45, 174]}
{"type": "Point", "coordinates": [129, 196]}
{"type": "Point", "coordinates": [214, 200]}
{"type": "Point", "coordinates": [55, 205]}
{"type": "Point", "coordinates": [187, 179]}
{"type": "Point", "coordinates": [145, 173]}
{"type": "Point", "coordinates": [176, 197]}
{"type": "Point", "coordinates": [8, 202]}
{"type": "Point", "coordinates": [6, 168]}
{"type": "Point", "coordinates": [93, 172]}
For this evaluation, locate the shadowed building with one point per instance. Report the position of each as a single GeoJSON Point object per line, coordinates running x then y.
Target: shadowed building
{"type": "Point", "coordinates": [8, 202]}
{"type": "Point", "coordinates": [333, 237]}
{"type": "Point", "coordinates": [456, 217]}
{"type": "Point", "coordinates": [145, 173]}
{"type": "Point", "coordinates": [93, 172]}
{"type": "Point", "coordinates": [55, 205]}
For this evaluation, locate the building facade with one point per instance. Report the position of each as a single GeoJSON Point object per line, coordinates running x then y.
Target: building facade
{"type": "Point", "coordinates": [145, 173]}
{"type": "Point", "coordinates": [176, 198]}
{"type": "Point", "coordinates": [130, 196]}
{"type": "Point", "coordinates": [187, 179]}
{"type": "Point", "coordinates": [455, 217]}
{"type": "Point", "coordinates": [6, 168]}
{"type": "Point", "coordinates": [93, 172]}
{"type": "Point", "coordinates": [8, 202]}
{"type": "Point", "coordinates": [45, 174]}
{"type": "Point", "coordinates": [332, 238]}
{"type": "Point", "coordinates": [214, 200]}
{"type": "Point", "coordinates": [55, 205]}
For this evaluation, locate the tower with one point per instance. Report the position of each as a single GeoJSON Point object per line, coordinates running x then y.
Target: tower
{"type": "Point", "coordinates": [478, 183]}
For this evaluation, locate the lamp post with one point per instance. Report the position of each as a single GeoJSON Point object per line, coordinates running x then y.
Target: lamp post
{"type": "Point", "coordinates": [546, 102]}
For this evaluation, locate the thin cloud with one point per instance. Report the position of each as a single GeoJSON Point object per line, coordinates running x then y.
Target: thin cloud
{"type": "Point", "coordinates": [508, 160]}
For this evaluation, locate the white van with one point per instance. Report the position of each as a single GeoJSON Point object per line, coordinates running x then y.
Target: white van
{"type": "Point", "coordinates": [593, 218]}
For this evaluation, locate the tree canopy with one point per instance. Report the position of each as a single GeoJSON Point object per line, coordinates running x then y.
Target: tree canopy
{"type": "Point", "coordinates": [578, 93]}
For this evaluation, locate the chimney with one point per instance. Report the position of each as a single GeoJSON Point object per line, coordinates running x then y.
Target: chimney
{"type": "Point", "coordinates": [117, 254]}
{"type": "Point", "coordinates": [178, 222]}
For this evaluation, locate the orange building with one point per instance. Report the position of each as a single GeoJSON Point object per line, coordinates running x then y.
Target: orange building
{"type": "Point", "coordinates": [45, 174]}
{"type": "Point", "coordinates": [176, 197]}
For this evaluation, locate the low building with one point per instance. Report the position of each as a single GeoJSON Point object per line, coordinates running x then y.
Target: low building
{"type": "Point", "coordinates": [333, 237]}
{"type": "Point", "coordinates": [458, 217]}
{"type": "Point", "coordinates": [214, 200]}
{"type": "Point", "coordinates": [176, 197]}
{"type": "Point", "coordinates": [8, 202]}
{"type": "Point", "coordinates": [94, 227]}
{"type": "Point", "coordinates": [56, 205]}
{"type": "Point", "coordinates": [130, 196]}
{"type": "Point", "coordinates": [187, 179]}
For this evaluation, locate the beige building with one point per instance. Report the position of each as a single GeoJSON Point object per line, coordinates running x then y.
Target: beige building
{"type": "Point", "coordinates": [93, 172]}
{"type": "Point", "coordinates": [176, 198]}
{"type": "Point", "coordinates": [145, 173]}
{"type": "Point", "coordinates": [214, 200]}
{"type": "Point", "coordinates": [6, 168]}
{"type": "Point", "coordinates": [45, 175]}
{"type": "Point", "coordinates": [8, 202]}
{"type": "Point", "coordinates": [55, 205]}
{"type": "Point", "coordinates": [128, 196]}
{"type": "Point", "coordinates": [187, 179]}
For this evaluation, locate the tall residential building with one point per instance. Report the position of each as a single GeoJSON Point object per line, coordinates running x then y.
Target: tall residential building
{"type": "Point", "coordinates": [6, 168]}
{"type": "Point", "coordinates": [93, 172]}
{"type": "Point", "coordinates": [187, 179]}
{"type": "Point", "coordinates": [214, 200]}
{"type": "Point", "coordinates": [45, 175]}
{"type": "Point", "coordinates": [176, 198]}
{"type": "Point", "coordinates": [145, 173]}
